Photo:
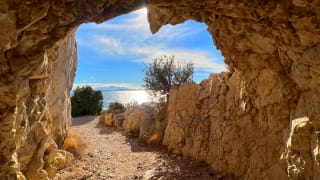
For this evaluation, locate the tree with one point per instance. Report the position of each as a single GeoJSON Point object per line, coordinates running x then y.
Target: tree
{"type": "Point", "coordinates": [163, 73]}
{"type": "Point", "coordinates": [86, 101]}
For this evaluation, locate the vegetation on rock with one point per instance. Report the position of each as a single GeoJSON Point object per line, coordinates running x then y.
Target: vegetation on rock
{"type": "Point", "coordinates": [163, 73]}
{"type": "Point", "coordinates": [75, 143]}
{"type": "Point", "coordinates": [86, 101]}
{"type": "Point", "coordinates": [116, 107]}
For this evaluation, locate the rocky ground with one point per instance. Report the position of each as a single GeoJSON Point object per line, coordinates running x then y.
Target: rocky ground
{"type": "Point", "coordinates": [112, 155]}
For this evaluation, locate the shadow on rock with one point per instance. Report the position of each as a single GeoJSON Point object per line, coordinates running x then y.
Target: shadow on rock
{"type": "Point", "coordinates": [168, 166]}
{"type": "Point", "coordinates": [173, 166]}
{"type": "Point", "coordinates": [103, 129]}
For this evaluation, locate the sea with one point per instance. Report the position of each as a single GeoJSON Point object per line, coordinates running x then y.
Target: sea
{"type": "Point", "coordinates": [125, 96]}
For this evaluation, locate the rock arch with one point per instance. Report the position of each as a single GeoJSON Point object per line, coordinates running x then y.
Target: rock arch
{"type": "Point", "coordinates": [272, 48]}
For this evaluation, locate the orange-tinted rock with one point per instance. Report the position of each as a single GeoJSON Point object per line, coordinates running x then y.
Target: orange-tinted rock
{"type": "Point", "coordinates": [140, 118]}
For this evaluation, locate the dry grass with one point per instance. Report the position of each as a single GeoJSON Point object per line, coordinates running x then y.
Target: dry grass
{"type": "Point", "coordinates": [155, 139]}
{"type": "Point", "coordinates": [75, 143]}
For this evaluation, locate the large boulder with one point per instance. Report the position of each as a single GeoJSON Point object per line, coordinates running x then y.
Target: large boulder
{"type": "Point", "coordinates": [112, 118]}
{"type": "Point", "coordinates": [106, 118]}
{"type": "Point", "coordinates": [140, 118]}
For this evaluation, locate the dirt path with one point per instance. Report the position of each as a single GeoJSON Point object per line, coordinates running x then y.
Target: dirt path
{"type": "Point", "coordinates": [112, 155]}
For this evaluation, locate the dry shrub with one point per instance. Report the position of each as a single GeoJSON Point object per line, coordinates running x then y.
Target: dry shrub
{"type": "Point", "coordinates": [155, 139]}
{"type": "Point", "coordinates": [75, 143]}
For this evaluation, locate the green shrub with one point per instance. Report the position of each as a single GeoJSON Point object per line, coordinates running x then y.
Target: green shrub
{"type": "Point", "coordinates": [86, 101]}
{"type": "Point", "coordinates": [163, 73]}
{"type": "Point", "coordinates": [116, 107]}
{"type": "Point", "coordinates": [133, 133]}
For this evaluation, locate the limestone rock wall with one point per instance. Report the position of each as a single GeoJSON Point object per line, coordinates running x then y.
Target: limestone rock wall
{"type": "Point", "coordinates": [270, 47]}
{"type": "Point", "coordinates": [63, 62]}
{"type": "Point", "coordinates": [40, 114]}
{"type": "Point", "coordinates": [141, 118]}
{"type": "Point", "coordinates": [217, 122]}
{"type": "Point", "coordinates": [265, 124]}
{"type": "Point", "coordinates": [37, 65]}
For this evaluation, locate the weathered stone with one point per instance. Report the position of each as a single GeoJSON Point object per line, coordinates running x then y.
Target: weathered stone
{"type": "Point", "coordinates": [42, 112]}
{"type": "Point", "coordinates": [110, 118]}
{"type": "Point", "coordinates": [216, 122]}
{"type": "Point", "coordinates": [62, 66]}
{"type": "Point", "coordinates": [142, 118]}
{"type": "Point", "coordinates": [242, 122]}
{"type": "Point", "coordinates": [118, 120]}
{"type": "Point", "coordinates": [132, 118]}
{"type": "Point", "coordinates": [106, 118]}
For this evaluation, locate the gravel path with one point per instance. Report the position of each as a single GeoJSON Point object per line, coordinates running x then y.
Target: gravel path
{"type": "Point", "coordinates": [112, 155]}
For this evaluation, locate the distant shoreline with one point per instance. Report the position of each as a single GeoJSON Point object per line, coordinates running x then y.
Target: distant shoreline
{"type": "Point", "coordinates": [122, 89]}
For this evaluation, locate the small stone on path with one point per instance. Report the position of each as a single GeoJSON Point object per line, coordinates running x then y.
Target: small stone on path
{"type": "Point", "coordinates": [114, 156]}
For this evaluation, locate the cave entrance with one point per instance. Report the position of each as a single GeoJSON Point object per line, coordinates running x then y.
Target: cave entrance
{"type": "Point", "coordinates": [112, 54]}
{"type": "Point", "coordinates": [111, 59]}
{"type": "Point", "coordinates": [271, 47]}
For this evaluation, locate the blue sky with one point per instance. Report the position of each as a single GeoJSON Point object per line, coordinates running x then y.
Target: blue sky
{"type": "Point", "coordinates": [113, 53]}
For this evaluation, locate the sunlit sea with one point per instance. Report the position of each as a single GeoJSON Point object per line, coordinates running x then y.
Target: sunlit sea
{"type": "Point", "coordinates": [125, 96]}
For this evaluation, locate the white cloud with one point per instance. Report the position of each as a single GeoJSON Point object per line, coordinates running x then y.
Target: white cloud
{"type": "Point", "coordinates": [201, 74]}
{"type": "Point", "coordinates": [109, 45]}
{"type": "Point", "coordinates": [137, 20]}
{"type": "Point", "coordinates": [136, 27]}
{"type": "Point", "coordinates": [131, 39]}
{"type": "Point", "coordinates": [102, 85]}
{"type": "Point", "coordinates": [135, 23]}
{"type": "Point", "coordinates": [200, 59]}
